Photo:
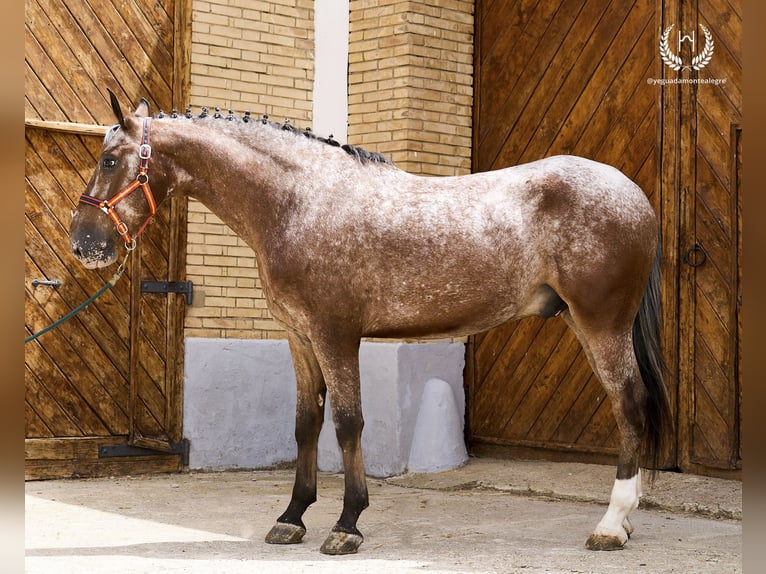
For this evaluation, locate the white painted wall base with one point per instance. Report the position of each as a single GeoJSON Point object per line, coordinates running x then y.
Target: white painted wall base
{"type": "Point", "coordinates": [239, 403]}
{"type": "Point", "coordinates": [239, 406]}
{"type": "Point", "coordinates": [437, 442]}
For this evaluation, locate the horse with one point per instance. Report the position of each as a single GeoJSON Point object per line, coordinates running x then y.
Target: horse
{"type": "Point", "coordinates": [349, 246]}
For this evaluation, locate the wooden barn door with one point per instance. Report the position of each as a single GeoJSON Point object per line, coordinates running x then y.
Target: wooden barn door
{"type": "Point", "coordinates": [103, 388]}
{"type": "Point", "coordinates": [708, 177]}
{"type": "Point", "coordinates": [557, 77]}
{"type": "Point", "coordinates": [576, 77]}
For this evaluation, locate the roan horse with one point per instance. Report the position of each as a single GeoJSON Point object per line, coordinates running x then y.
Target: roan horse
{"type": "Point", "coordinates": [349, 246]}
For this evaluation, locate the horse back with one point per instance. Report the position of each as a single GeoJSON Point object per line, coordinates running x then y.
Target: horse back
{"type": "Point", "coordinates": [420, 256]}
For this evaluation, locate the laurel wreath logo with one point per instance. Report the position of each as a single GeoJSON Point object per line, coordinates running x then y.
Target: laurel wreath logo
{"type": "Point", "coordinates": [674, 61]}
{"type": "Point", "coordinates": [703, 58]}
{"type": "Point", "coordinates": [668, 57]}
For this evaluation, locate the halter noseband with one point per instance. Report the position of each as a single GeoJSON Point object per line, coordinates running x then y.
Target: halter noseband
{"type": "Point", "coordinates": [142, 181]}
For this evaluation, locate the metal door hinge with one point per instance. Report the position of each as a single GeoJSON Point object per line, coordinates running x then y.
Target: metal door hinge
{"type": "Point", "coordinates": [118, 450]}
{"type": "Point", "coordinates": [184, 287]}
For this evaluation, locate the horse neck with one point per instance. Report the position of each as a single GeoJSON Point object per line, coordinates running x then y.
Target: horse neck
{"type": "Point", "coordinates": [242, 173]}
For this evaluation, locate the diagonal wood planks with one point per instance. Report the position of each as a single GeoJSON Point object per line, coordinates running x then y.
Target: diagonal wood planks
{"type": "Point", "coordinates": [554, 78]}
{"type": "Point", "coordinates": [112, 371]}
{"type": "Point", "coordinates": [571, 77]}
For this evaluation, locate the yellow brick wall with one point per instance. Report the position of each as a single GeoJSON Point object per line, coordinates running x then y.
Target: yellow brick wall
{"type": "Point", "coordinates": [410, 97]}
{"type": "Point", "coordinates": [411, 82]}
{"type": "Point", "coordinates": [246, 55]}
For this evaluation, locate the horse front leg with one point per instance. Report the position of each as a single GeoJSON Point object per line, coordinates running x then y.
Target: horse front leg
{"type": "Point", "coordinates": [340, 365]}
{"type": "Point", "coordinates": [309, 415]}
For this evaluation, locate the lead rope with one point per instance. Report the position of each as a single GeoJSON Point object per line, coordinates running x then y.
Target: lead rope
{"type": "Point", "coordinates": [109, 284]}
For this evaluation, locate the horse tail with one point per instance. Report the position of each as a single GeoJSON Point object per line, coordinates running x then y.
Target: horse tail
{"type": "Point", "coordinates": [651, 364]}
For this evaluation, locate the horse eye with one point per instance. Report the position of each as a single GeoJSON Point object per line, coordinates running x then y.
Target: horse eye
{"type": "Point", "coordinates": [108, 162]}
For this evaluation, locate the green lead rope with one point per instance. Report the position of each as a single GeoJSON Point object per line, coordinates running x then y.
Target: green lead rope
{"type": "Point", "coordinates": [109, 284]}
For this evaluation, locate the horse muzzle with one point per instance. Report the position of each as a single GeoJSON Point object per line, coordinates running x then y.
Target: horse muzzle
{"type": "Point", "coordinates": [94, 252]}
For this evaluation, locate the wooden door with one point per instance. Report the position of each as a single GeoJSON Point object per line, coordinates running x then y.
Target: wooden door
{"type": "Point", "coordinates": [557, 77]}
{"type": "Point", "coordinates": [708, 177]}
{"type": "Point", "coordinates": [107, 381]}
{"type": "Point", "coordinates": [576, 77]}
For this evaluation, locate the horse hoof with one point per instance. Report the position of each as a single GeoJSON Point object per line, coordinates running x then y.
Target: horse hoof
{"type": "Point", "coordinates": [341, 543]}
{"type": "Point", "coordinates": [285, 533]}
{"type": "Point", "coordinates": [605, 542]}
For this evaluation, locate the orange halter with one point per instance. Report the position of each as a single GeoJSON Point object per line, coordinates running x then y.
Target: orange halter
{"type": "Point", "coordinates": [142, 181]}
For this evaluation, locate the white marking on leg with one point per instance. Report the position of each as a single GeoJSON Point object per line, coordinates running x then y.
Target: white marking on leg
{"type": "Point", "coordinates": [624, 499]}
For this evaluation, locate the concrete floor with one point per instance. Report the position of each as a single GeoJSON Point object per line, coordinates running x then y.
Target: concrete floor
{"type": "Point", "coordinates": [488, 516]}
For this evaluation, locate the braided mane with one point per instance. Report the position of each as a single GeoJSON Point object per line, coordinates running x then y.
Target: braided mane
{"type": "Point", "coordinates": [360, 154]}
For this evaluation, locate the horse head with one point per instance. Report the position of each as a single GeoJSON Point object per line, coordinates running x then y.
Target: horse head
{"type": "Point", "coordinates": [118, 201]}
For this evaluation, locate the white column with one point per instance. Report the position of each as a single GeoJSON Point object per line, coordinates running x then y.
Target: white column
{"type": "Point", "coordinates": [330, 103]}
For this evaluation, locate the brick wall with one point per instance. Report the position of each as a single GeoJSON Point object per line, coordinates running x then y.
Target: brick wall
{"type": "Point", "coordinates": [411, 82]}
{"type": "Point", "coordinates": [246, 55]}
{"type": "Point", "coordinates": [254, 54]}
{"type": "Point", "coordinates": [410, 97]}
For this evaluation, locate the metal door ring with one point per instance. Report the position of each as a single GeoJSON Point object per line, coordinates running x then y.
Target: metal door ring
{"type": "Point", "coordinates": [696, 256]}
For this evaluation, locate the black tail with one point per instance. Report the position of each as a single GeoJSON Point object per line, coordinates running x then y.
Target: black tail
{"type": "Point", "coordinates": [651, 364]}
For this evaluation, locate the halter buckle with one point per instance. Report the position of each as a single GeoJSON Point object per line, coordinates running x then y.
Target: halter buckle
{"type": "Point", "coordinates": [145, 151]}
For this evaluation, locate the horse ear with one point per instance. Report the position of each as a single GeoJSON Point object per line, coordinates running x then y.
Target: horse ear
{"type": "Point", "coordinates": [142, 110]}
{"type": "Point", "coordinates": [116, 108]}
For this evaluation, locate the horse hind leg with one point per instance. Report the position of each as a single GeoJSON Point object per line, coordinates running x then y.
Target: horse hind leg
{"type": "Point", "coordinates": [613, 361]}
{"type": "Point", "coordinates": [621, 379]}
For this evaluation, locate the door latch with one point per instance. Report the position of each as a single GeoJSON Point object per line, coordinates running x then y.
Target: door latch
{"type": "Point", "coordinates": [46, 282]}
